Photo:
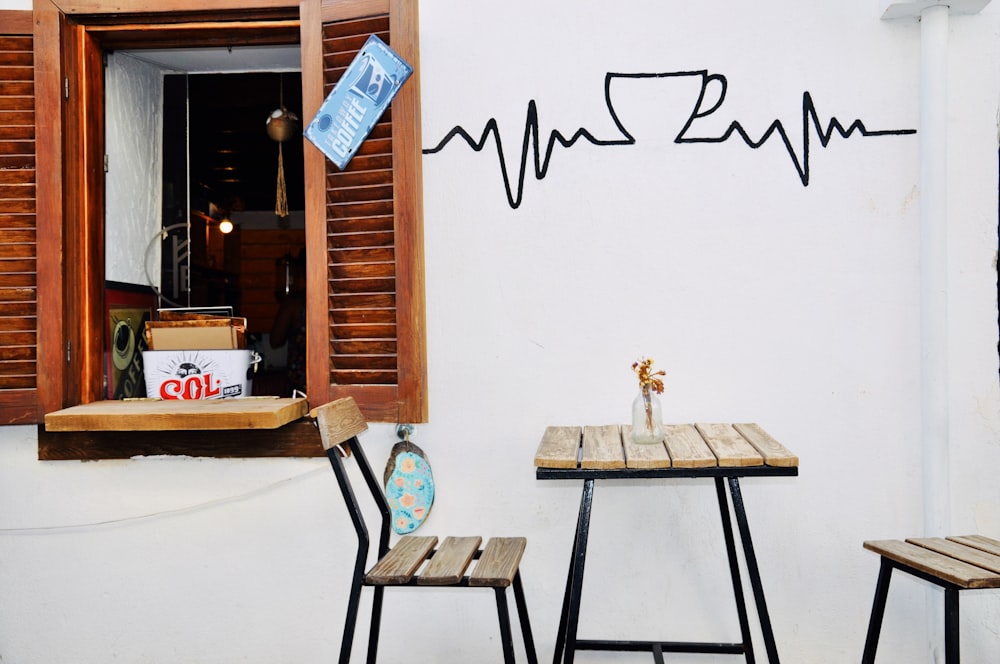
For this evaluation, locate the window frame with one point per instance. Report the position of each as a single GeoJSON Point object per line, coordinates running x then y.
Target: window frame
{"type": "Point", "coordinates": [69, 39]}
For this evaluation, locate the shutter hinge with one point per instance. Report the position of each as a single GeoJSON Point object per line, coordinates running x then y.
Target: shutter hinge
{"type": "Point", "coordinates": [105, 162]}
{"type": "Point", "coordinates": [69, 352]}
{"type": "Point", "coordinates": [66, 86]}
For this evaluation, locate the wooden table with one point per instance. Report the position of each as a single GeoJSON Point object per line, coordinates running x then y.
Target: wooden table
{"type": "Point", "coordinates": [725, 452]}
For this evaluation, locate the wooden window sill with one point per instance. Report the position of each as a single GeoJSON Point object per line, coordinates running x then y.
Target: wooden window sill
{"type": "Point", "coordinates": [221, 428]}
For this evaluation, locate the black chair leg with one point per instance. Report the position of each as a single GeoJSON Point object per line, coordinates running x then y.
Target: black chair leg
{"type": "Point", "coordinates": [506, 637]}
{"type": "Point", "coordinates": [376, 626]}
{"type": "Point", "coordinates": [951, 650]}
{"type": "Point", "coordinates": [349, 623]}
{"type": "Point", "coordinates": [878, 612]}
{"type": "Point", "coordinates": [522, 616]}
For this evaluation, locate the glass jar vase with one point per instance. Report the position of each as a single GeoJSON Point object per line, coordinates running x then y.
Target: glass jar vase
{"type": "Point", "coordinates": [647, 418]}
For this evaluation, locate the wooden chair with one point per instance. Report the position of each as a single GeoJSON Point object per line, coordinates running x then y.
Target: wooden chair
{"type": "Point", "coordinates": [953, 563]}
{"type": "Point", "coordinates": [340, 422]}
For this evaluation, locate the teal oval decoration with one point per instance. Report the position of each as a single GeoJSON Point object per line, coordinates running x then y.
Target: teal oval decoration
{"type": "Point", "coordinates": [409, 487]}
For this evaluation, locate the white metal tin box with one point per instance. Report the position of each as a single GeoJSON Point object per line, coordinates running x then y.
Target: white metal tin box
{"type": "Point", "coordinates": [199, 374]}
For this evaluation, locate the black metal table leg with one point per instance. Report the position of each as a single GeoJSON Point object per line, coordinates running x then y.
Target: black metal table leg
{"type": "Point", "coordinates": [951, 651]}
{"type": "Point", "coordinates": [734, 570]}
{"type": "Point", "coordinates": [568, 622]}
{"type": "Point", "coordinates": [564, 613]}
{"type": "Point", "coordinates": [753, 571]}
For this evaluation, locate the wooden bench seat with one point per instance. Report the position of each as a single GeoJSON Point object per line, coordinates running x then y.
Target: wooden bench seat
{"type": "Point", "coordinates": [971, 561]}
{"type": "Point", "coordinates": [447, 564]}
{"type": "Point", "coordinates": [967, 562]}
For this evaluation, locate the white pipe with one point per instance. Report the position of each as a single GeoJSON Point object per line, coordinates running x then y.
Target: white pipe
{"type": "Point", "coordinates": [933, 134]}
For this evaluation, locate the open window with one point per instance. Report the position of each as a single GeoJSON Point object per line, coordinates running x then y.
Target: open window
{"type": "Point", "coordinates": [363, 226]}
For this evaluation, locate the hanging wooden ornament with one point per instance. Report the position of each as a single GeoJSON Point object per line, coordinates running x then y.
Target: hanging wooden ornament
{"type": "Point", "coordinates": [409, 484]}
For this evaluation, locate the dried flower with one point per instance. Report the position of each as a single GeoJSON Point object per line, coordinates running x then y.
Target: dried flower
{"type": "Point", "coordinates": [647, 377]}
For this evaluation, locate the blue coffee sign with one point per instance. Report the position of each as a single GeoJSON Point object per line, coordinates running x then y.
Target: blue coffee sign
{"type": "Point", "coordinates": [357, 101]}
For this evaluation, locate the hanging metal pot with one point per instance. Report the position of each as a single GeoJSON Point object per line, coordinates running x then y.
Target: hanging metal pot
{"type": "Point", "coordinates": [282, 125]}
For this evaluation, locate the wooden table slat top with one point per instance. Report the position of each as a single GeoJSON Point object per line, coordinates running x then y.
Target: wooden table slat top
{"type": "Point", "coordinates": [729, 447]}
{"type": "Point", "coordinates": [602, 447]}
{"type": "Point", "coordinates": [774, 453]}
{"type": "Point", "coordinates": [699, 445]}
{"type": "Point", "coordinates": [643, 456]}
{"type": "Point", "coordinates": [559, 448]}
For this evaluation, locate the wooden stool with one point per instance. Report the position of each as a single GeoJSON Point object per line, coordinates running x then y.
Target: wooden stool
{"type": "Point", "coordinates": [954, 563]}
{"type": "Point", "coordinates": [414, 560]}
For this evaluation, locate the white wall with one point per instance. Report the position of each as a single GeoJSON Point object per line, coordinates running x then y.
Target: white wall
{"type": "Point", "coordinates": [765, 300]}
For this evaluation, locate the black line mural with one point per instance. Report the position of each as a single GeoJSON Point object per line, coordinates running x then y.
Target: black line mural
{"type": "Point", "coordinates": [532, 146]}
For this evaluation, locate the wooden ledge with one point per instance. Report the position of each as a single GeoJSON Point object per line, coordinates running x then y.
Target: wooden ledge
{"type": "Point", "coordinates": [179, 415]}
{"type": "Point", "coordinates": [242, 428]}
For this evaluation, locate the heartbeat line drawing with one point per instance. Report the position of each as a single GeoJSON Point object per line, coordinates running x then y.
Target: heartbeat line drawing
{"type": "Point", "coordinates": [531, 145]}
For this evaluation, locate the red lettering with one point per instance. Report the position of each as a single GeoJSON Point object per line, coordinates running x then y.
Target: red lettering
{"type": "Point", "coordinates": [191, 387]}
{"type": "Point", "coordinates": [209, 390]}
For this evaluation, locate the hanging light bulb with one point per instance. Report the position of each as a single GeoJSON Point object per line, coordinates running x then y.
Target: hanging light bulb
{"type": "Point", "coordinates": [225, 226]}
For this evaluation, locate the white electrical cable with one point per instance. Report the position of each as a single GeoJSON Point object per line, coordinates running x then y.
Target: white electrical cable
{"type": "Point", "coordinates": [36, 530]}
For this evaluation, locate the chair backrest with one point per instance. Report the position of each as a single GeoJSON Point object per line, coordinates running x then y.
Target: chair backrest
{"type": "Point", "coordinates": [340, 423]}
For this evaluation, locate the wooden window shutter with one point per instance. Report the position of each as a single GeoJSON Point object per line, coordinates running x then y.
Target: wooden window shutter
{"type": "Point", "coordinates": [18, 255]}
{"type": "Point", "coordinates": [366, 338]}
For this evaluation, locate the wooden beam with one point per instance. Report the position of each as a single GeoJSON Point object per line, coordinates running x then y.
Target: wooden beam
{"type": "Point", "coordinates": [97, 7]}
{"type": "Point", "coordinates": [408, 206]}
{"type": "Point", "coordinates": [297, 439]}
{"type": "Point", "coordinates": [49, 211]}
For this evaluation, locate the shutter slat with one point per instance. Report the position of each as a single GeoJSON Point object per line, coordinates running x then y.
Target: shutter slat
{"type": "Point", "coordinates": [359, 209]}
{"type": "Point", "coordinates": [365, 346]}
{"type": "Point", "coordinates": [17, 147]}
{"type": "Point", "coordinates": [17, 103]}
{"type": "Point", "coordinates": [17, 162]}
{"type": "Point", "coordinates": [17, 308]}
{"type": "Point", "coordinates": [357, 240]}
{"type": "Point", "coordinates": [363, 316]}
{"type": "Point", "coordinates": [357, 362]}
{"type": "Point", "coordinates": [18, 353]}
{"type": "Point", "coordinates": [364, 377]}
{"type": "Point", "coordinates": [363, 193]}
{"type": "Point", "coordinates": [348, 301]}
{"type": "Point", "coordinates": [16, 87]}
{"type": "Point", "coordinates": [17, 324]}
{"type": "Point", "coordinates": [15, 249]}
{"type": "Point", "coordinates": [347, 226]}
